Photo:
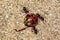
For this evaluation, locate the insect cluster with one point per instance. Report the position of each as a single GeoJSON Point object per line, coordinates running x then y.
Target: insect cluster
{"type": "Point", "coordinates": [31, 20]}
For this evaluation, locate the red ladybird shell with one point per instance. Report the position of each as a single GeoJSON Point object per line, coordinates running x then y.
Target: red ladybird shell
{"type": "Point", "coordinates": [31, 20]}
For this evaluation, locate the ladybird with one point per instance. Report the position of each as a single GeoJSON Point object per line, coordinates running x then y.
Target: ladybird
{"type": "Point", "coordinates": [31, 20]}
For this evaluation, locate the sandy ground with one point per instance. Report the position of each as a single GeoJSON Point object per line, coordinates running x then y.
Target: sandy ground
{"type": "Point", "coordinates": [12, 17]}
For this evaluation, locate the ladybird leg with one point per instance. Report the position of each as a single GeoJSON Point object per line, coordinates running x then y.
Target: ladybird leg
{"type": "Point", "coordinates": [35, 30]}
{"type": "Point", "coordinates": [20, 30]}
{"type": "Point", "coordinates": [40, 17]}
{"type": "Point", "coordinates": [25, 10]}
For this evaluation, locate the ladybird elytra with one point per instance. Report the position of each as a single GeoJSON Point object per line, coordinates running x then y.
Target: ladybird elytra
{"type": "Point", "coordinates": [31, 20]}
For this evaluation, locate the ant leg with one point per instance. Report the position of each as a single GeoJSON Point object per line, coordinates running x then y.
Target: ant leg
{"type": "Point", "coordinates": [20, 30]}
{"type": "Point", "coordinates": [35, 30]}
{"type": "Point", "coordinates": [25, 10]}
{"type": "Point", "coordinates": [42, 18]}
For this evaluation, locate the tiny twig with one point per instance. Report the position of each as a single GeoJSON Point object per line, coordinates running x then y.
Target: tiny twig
{"type": "Point", "coordinates": [20, 30]}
